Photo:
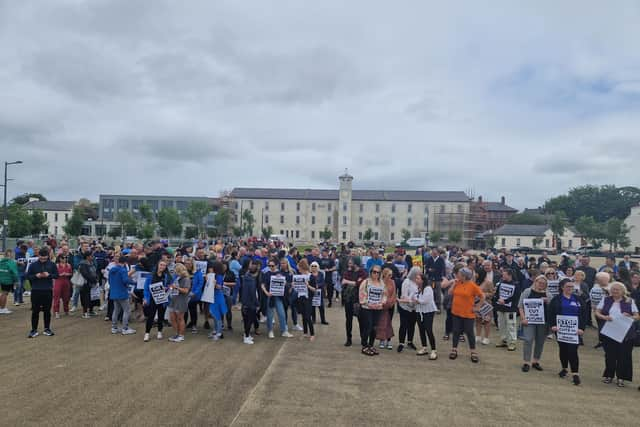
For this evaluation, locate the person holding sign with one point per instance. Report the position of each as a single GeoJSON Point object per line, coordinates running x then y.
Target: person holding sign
{"type": "Point", "coordinates": [566, 319]}
{"type": "Point", "coordinates": [532, 306]}
{"type": "Point", "coordinates": [384, 329]}
{"type": "Point", "coordinates": [303, 302]}
{"type": "Point", "coordinates": [119, 281]}
{"type": "Point", "coordinates": [506, 297]}
{"type": "Point", "coordinates": [372, 300]}
{"type": "Point", "coordinates": [160, 275]}
{"type": "Point", "coordinates": [599, 291]}
{"type": "Point", "coordinates": [273, 287]}
{"type": "Point", "coordinates": [317, 281]}
{"type": "Point", "coordinates": [617, 350]}
{"type": "Point", "coordinates": [179, 303]}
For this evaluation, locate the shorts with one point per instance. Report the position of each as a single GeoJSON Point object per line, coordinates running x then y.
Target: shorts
{"type": "Point", "coordinates": [7, 288]}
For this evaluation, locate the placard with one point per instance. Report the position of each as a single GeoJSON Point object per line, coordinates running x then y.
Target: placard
{"type": "Point", "coordinates": [506, 291]}
{"type": "Point", "coordinates": [158, 293]}
{"type": "Point", "coordinates": [276, 286]}
{"type": "Point", "coordinates": [317, 298]}
{"type": "Point", "coordinates": [567, 329]}
{"type": "Point", "coordinates": [209, 291]}
{"type": "Point", "coordinates": [300, 285]}
{"type": "Point", "coordinates": [485, 310]}
{"type": "Point", "coordinates": [533, 310]}
{"type": "Point", "coordinates": [416, 260]}
{"type": "Point", "coordinates": [142, 279]}
{"type": "Point", "coordinates": [400, 267]}
{"type": "Point", "coordinates": [202, 267]}
{"type": "Point", "coordinates": [226, 290]}
{"type": "Point", "coordinates": [553, 288]}
{"type": "Point", "coordinates": [174, 292]}
{"type": "Point", "coordinates": [95, 293]}
{"type": "Point", "coordinates": [617, 328]}
{"type": "Point", "coordinates": [374, 294]}
{"type": "Point", "coordinates": [30, 261]}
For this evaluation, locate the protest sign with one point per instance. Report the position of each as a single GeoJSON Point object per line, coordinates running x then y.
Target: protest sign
{"type": "Point", "coordinates": [30, 261]}
{"type": "Point", "coordinates": [158, 293]}
{"type": "Point", "coordinates": [617, 328]}
{"type": "Point", "coordinates": [317, 298]}
{"type": "Point", "coordinates": [300, 285]}
{"type": "Point", "coordinates": [374, 294]}
{"type": "Point", "coordinates": [533, 310]}
{"type": "Point", "coordinates": [485, 310]}
{"type": "Point", "coordinates": [95, 293]}
{"type": "Point", "coordinates": [208, 293]}
{"type": "Point", "coordinates": [417, 260]}
{"type": "Point", "coordinates": [506, 291]}
{"type": "Point", "coordinates": [226, 290]}
{"type": "Point", "coordinates": [142, 279]}
{"type": "Point", "coordinates": [567, 329]}
{"type": "Point", "coordinates": [553, 288]}
{"type": "Point", "coordinates": [276, 286]}
{"type": "Point", "coordinates": [202, 267]}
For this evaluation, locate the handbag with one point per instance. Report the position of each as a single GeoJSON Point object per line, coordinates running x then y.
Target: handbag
{"type": "Point", "coordinates": [77, 279]}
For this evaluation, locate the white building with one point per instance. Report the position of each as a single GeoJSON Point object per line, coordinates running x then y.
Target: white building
{"type": "Point", "coordinates": [56, 213]}
{"type": "Point", "coordinates": [518, 235]}
{"type": "Point", "coordinates": [633, 221]}
{"type": "Point", "coordinates": [302, 214]}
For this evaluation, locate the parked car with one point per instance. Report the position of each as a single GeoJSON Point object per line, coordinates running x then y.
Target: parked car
{"type": "Point", "coordinates": [526, 249]}
{"type": "Point", "coordinates": [416, 242]}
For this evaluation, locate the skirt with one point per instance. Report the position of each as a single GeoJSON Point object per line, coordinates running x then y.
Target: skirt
{"type": "Point", "coordinates": [384, 330]}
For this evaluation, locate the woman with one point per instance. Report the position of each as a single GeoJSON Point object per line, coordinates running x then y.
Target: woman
{"type": "Point", "coordinates": [407, 309]}
{"type": "Point", "coordinates": [384, 329]}
{"type": "Point", "coordinates": [464, 292]}
{"type": "Point", "coordinates": [62, 286]}
{"type": "Point", "coordinates": [534, 334]}
{"type": "Point", "coordinates": [425, 309]}
{"type": "Point", "coordinates": [88, 271]}
{"type": "Point", "coordinates": [372, 300]}
{"type": "Point", "coordinates": [197, 283]}
{"type": "Point", "coordinates": [159, 275]}
{"type": "Point", "coordinates": [317, 281]}
{"type": "Point", "coordinates": [228, 285]}
{"type": "Point", "coordinates": [483, 321]}
{"type": "Point", "coordinates": [567, 304]}
{"type": "Point", "coordinates": [219, 308]}
{"type": "Point", "coordinates": [290, 296]}
{"type": "Point", "coordinates": [179, 303]}
{"type": "Point", "coordinates": [303, 302]}
{"type": "Point", "coordinates": [351, 280]}
{"type": "Point", "coordinates": [617, 356]}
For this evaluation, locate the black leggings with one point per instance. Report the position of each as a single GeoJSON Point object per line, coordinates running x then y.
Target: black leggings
{"type": "Point", "coordinates": [370, 319]}
{"type": "Point", "coordinates": [248, 319]}
{"type": "Point", "coordinates": [425, 326]}
{"type": "Point", "coordinates": [304, 307]}
{"type": "Point", "coordinates": [85, 298]}
{"type": "Point", "coordinates": [569, 356]}
{"type": "Point", "coordinates": [460, 325]}
{"type": "Point", "coordinates": [41, 301]}
{"type": "Point", "coordinates": [192, 314]}
{"type": "Point", "coordinates": [407, 324]}
{"type": "Point", "coordinates": [150, 311]}
{"type": "Point", "coordinates": [229, 315]}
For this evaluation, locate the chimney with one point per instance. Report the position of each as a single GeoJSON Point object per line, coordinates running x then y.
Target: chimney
{"type": "Point", "coordinates": [479, 199]}
{"type": "Point", "coordinates": [502, 200]}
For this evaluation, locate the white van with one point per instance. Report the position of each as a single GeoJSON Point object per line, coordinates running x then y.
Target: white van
{"type": "Point", "coordinates": [416, 242]}
{"type": "Point", "coordinates": [278, 237]}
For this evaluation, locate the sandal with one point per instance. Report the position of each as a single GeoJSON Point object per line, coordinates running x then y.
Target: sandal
{"type": "Point", "coordinates": [365, 351]}
{"type": "Point", "coordinates": [474, 357]}
{"type": "Point", "coordinates": [453, 355]}
{"type": "Point", "coordinates": [373, 351]}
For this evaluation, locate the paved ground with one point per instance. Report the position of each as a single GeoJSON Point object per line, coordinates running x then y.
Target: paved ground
{"type": "Point", "coordinates": [86, 376]}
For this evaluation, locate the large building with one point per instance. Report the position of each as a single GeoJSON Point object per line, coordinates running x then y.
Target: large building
{"type": "Point", "coordinates": [56, 213]}
{"type": "Point", "coordinates": [511, 236]}
{"type": "Point", "coordinates": [633, 222]}
{"type": "Point", "coordinates": [302, 214]}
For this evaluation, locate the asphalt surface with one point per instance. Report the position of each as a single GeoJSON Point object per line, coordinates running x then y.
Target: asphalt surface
{"type": "Point", "coordinates": [86, 376]}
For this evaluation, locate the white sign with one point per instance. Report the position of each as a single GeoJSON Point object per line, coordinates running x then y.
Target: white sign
{"type": "Point", "coordinates": [534, 310]}
{"type": "Point", "coordinates": [158, 293]}
{"type": "Point", "coordinates": [374, 294]}
{"type": "Point", "coordinates": [202, 267]}
{"type": "Point", "coordinates": [209, 291]}
{"type": "Point", "coordinates": [276, 286]}
{"type": "Point", "coordinates": [142, 279]}
{"type": "Point", "coordinates": [506, 292]}
{"type": "Point", "coordinates": [31, 260]}
{"type": "Point", "coordinates": [485, 310]}
{"type": "Point", "coordinates": [617, 328]}
{"type": "Point", "coordinates": [175, 292]}
{"type": "Point", "coordinates": [553, 288]}
{"type": "Point", "coordinates": [226, 290]}
{"type": "Point", "coordinates": [317, 298]}
{"type": "Point", "coordinates": [567, 329]}
{"type": "Point", "coordinates": [95, 293]}
{"type": "Point", "coordinates": [300, 285]}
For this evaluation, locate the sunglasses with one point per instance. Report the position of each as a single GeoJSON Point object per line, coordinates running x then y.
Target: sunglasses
{"type": "Point", "coordinates": [272, 265]}
{"type": "Point", "coordinates": [375, 271]}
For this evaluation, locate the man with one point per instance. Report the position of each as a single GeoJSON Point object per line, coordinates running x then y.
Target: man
{"type": "Point", "coordinates": [8, 278]}
{"type": "Point", "coordinates": [610, 262]}
{"type": "Point", "coordinates": [627, 263]}
{"type": "Point", "coordinates": [41, 275]}
{"type": "Point", "coordinates": [327, 266]}
{"type": "Point", "coordinates": [374, 260]}
{"type": "Point", "coordinates": [506, 298]}
{"type": "Point", "coordinates": [119, 281]}
{"type": "Point", "coordinates": [544, 258]}
{"type": "Point", "coordinates": [589, 272]}
{"type": "Point", "coordinates": [249, 299]}
{"type": "Point", "coordinates": [88, 271]}
{"type": "Point", "coordinates": [511, 264]}
{"type": "Point", "coordinates": [75, 262]}
{"type": "Point", "coordinates": [351, 281]}
{"type": "Point", "coordinates": [436, 270]}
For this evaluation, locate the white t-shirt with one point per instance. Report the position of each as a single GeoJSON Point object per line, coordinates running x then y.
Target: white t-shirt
{"type": "Point", "coordinates": [615, 308]}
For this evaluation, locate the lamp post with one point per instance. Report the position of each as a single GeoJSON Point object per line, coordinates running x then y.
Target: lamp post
{"type": "Point", "coordinates": [5, 216]}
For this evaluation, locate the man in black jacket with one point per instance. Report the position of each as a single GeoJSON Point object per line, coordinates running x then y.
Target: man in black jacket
{"type": "Point", "coordinates": [41, 274]}
{"type": "Point", "coordinates": [88, 271]}
{"type": "Point", "coordinates": [435, 268]}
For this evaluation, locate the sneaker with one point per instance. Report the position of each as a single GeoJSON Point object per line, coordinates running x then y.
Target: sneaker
{"type": "Point", "coordinates": [93, 314]}
{"type": "Point", "coordinates": [511, 347]}
{"type": "Point", "coordinates": [33, 334]}
{"type": "Point", "coordinates": [160, 336]}
{"type": "Point", "coordinates": [382, 344]}
{"type": "Point", "coordinates": [146, 337]}
{"type": "Point", "coordinates": [194, 330]}
{"type": "Point", "coordinates": [433, 355]}
{"type": "Point", "coordinates": [128, 331]}
{"type": "Point", "coordinates": [48, 332]}
{"type": "Point", "coordinates": [102, 307]}
{"type": "Point", "coordinates": [576, 379]}
{"type": "Point", "coordinates": [57, 315]}
{"type": "Point", "coordinates": [106, 319]}
{"type": "Point", "coordinates": [262, 320]}
{"type": "Point", "coordinates": [298, 328]}
{"type": "Point", "coordinates": [400, 348]}
{"type": "Point", "coordinates": [501, 344]}
{"type": "Point", "coordinates": [525, 367]}
{"type": "Point", "coordinates": [16, 304]}
{"type": "Point", "coordinates": [347, 343]}
{"type": "Point", "coordinates": [563, 373]}
{"type": "Point", "coordinates": [115, 330]}
{"type": "Point", "coordinates": [389, 345]}
{"type": "Point", "coordinates": [5, 311]}
{"type": "Point", "coordinates": [73, 308]}
{"type": "Point", "coordinates": [216, 337]}
{"type": "Point", "coordinates": [537, 366]}
{"type": "Point", "coordinates": [211, 335]}
{"type": "Point", "coordinates": [485, 341]}
{"type": "Point", "coordinates": [411, 346]}
{"type": "Point", "coordinates": [174, 338]}
{"type": "Point", "coordinates": [86, 316]}
{"type": "Point", "coordinates": [271, 334]}
{"type": "Point", "coordinates": [286, 334]}
{"type": "Point", "coordinates": [27, 293]}
{"type": "Point", "coordinates": [247, 340]}
{"type": "Point", "coordinates": [423, 351]}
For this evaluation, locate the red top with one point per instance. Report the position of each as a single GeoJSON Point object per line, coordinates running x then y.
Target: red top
{"type": "Point", "coordinates": [64, 273]}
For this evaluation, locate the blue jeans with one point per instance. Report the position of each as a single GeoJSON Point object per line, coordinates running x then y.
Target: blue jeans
{"type": "Point", "coordinates": [19, 290]}
{"type": "Point", "coordinates": [234, 293]}
{"type": "Point", "coordinates": [75, 296]}
{"type": "Point", "coordinates": [279, 306]}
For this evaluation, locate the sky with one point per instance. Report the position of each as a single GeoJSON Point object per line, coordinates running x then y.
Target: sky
{"type": "Point", "coordinates": [518, 99]}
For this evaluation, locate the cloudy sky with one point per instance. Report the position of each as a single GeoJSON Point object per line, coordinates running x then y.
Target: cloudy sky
{"type": "Point", "coordinates": [154, 97]}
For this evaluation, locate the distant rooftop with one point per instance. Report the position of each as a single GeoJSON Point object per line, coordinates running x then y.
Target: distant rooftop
{"type": "Point", "coordinates": [363, 195]}
{"type": "Point", "coordinates": [499, 207]}
{"type": "Point", "coordinates": [521, 230]}
{"type": "Point", "coordinates": [50, 205]}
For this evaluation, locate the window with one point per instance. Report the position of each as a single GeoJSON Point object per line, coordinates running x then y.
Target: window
{"type": "Point", "coordinates": [281, 231]}
{"type": "Point", "coordinates": [570, 243]}
{"type": "Point", "coordinates": [344, 235]}
{"type": "Point", "coordinates": [409, 207]}
{"type": "Point", "coordinates": [153, 204]}
{"type": "Point", "coordinates": [360, 220]}
{"type": "Point", "coordinates": [281, 206]}
{"type": "Point", "coordinates": [329, 207]}
{"type": "Point", "coordinates": [377, 207]}
{"type": "Point", "coordinates": [298, 206]}
{"type": "Point", "coordinates": [360, 235]}
{"type": "Point", "coordinates": [167, 204]}
{"type": "Point", "coordinates": [182, 206]}
{"type": "Point", "coordinates": [313, 234]}
{"type": "Point", "coordinates": [298, 219]}
{"type": "Point", "coordinates": [251, 204]}
{"type": "Point", "coordinates": [313, 220]}
{"type": "Point", "coordinates": [377, 221]}
{"type": "Point", "coordinates": [393, 221]}
{"type": "Point", "coordinates": [56, 232]}
{"type": "Point", "coordinates": [297, 234]}
{"type": "Point", "coordinates": [344, 207]}
{"type": "Point", "coordinates": [426, 209]}
{"type": "Point", "coordinates": [518, 242]}
{"type": "Point", "coordinates": [46, 216]}
{"type": "Point", "coordinates": [123, 204]}
{"type": "Point", "coordinates": [266, 219]}
{"type": "Point", "coordinates": [409, 222]}
{"type": "Point", "coordinates": [287, 233]}
{"type": "Point", "coordinates": [66, 217]}
{"type": "Point", "coordinates": [376, 235]}
{"type": "Point", "coordinates": [328, 220]}
{"type": "Point", "coordinates": [313, 206]}
{"type": "Point", "coordinates": [55, 217]}
{"type": "Point", "coordinates": [426, 221]}
{"type": "Point", "coordinates": [361, 207]}
{"type": "Point", "coordinates": [393, 236]}
{"type": "Point", "coordinates": [459, 208]}
{"type": "Point", "coordinates": [236, 205]}
{"type": "Point", "coordinates": [344, 220]}
{"type": "Point", "coordinates": [135, 204]}
{"type": "Point", "coordinates": [393, 207]}
{"type": "Point", "coordinates": [546, 243]}
{"type": "Point", "coordinates": [441, 208]}
{"type": "Point", "coordinates": [281, 219]}
{"type": "Point", "coordinates": [108, 203]}
{"type": "Point", "coordinates": [266, 206]}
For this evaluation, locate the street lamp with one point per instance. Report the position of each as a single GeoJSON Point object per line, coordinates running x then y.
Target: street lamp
{"type": "Point", "coordinates": [5, 216]}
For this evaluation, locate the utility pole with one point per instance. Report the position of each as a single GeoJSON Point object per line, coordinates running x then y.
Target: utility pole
{"type": "Point", "coordinates": [5, 216]}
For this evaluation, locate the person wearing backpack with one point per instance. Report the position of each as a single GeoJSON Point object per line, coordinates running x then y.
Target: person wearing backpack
{"type": "Point", "coordinates": [8, 278]}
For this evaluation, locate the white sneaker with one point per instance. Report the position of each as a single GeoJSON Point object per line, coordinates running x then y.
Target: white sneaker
{"type": "Point", "coordinates": [115, 331]}
{"type": "Point", "coordinates": [433, 355]}
{"type": "Point", "coordinates": [298, 328]}
{"type": "Point", "coordinates": [146, 338]}
{"type": "Point", "coordinates": [102, 307]}
{"type": "Point", "coordinates": [485, 341]}
{"type": "Point", "coordinates": [216, 337]}
{"type": "Point", "coordinates": [27, 293]}
{"type": "Point", "coordinates": [174, 339]}
{"type": "Point", "coordinates": [73, 308]}
{"type": "Point", "coordinates": [271, 334]}
{"type": "Point", "coordinates": [16, 304]}
{"type": "Point", "coordinates": [247, 340]}
{"type": "Point", "coordinates": [286, 334]}
{"type": "Point", "coordinates": [263, 319]}
{"type": "Point", "coordinates": [86, 316]}
{"type": "Point", "coordinates": [128, 331]}
{"type": "Point", "coordinates": [160, 336]}
{"type": "Point", "coordinates": [5, 311]}
{"type": "Point", "coordinates": [57, 315]}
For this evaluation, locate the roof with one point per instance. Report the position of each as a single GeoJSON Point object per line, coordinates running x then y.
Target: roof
{"type": "Point", "coordinates": [499, 207]}
{"type": "Point", "coordinates": [364, 195]}
{"type": "Point", "coordinates": [51, 205]}
{"type": "Point", "coordinates": [521, 230]}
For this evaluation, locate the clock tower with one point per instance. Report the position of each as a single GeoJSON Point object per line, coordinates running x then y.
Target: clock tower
{"type": "Point", "coordinates": [344, 207]}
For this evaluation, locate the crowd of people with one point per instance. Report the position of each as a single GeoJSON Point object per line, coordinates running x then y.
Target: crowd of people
{"type": "Point", "coordinates": [201, 284]}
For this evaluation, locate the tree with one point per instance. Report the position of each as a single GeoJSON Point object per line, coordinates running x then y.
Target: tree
{"type": "Point", "coordinates": [127, 223]}
{"type": "Point", "coordinates": [616, 233]}
{"type": "Point", "coordinates": [368, 234]}
{"type": "Point", "coordinates": [222, 221]}
{"type": "Point", "coordinates": [325, 234]}
{"type": "Point", "coordinates": [435, 237]}
{"type": "Point", "coordinates": [537, 240]}
{"type": "Point", "coordinates": [24, 198]}
{"type": "Point", "coordinates": [114, 233]}
{"type": "Point", "coordinates": [19, 221]}
{"type": "Point", "coordinates": [169, 222]}
{"type": "Point", "coordinates": [237, 231]}
{"type": "Point", "coordinates": [146, 231]}
{"type": "Point", "coordinates": [74, 224]}
{"type": "Point", "coordinates": [558, 225]}
{"type": "Point", "coordinates": [38, 223]}
{"type": "Point", "coordinates": [601, 203]}
{"type": "Point", "coordinates": [89, 210]}
{"type": "Point", "coordinates": [526, 218]}
{"type": "Point", "coordinates": [146, 213]}
{"type": "Point", "coordinates": [591, 230]}
{"type": "Point", "coordinates": [191, 232]}
{"type": "Point", "coordinates": [455, 236]}
{"type": "Point", "coordinates": [146, 227]}
{"type": "Point", "coordinates": [267, 232]}
{"type": "Point", "coordinates": [491, 241]}
{"type": "Point", "coordinates": [406, 234]}
{"type": "Point", "coordinates": [197, 214]}
{"type": "Point", "coordinates": [248, 221]}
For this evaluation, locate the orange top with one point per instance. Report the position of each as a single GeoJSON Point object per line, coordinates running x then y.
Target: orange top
{"type": "Point", "coordinates": [463, 297]}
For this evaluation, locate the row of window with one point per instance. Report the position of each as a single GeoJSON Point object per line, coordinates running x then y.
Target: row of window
{"type": "Point", "coordinates": [55, 217]}
{"type": "Point", "coordinates": [547, 243]}
{"type": "Point", "coordinates": [345, 221]}
{"type": "Point", "coordinates": [345, 207]}
{"type": "Point", "coordinates": [155, 205]}
{"type": "Point", "coordinates": [291, 234]}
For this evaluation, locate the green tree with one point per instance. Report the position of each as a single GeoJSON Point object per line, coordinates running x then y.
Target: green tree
{"type": "Point", "coordinates": [526, 218]}
{"type": "Point", "coordinates": [558, 225]}
{"type": "Point", "coordinates": [491, 241]}
{"type": "Point", "coordinates": [89, 210]}
{"type": "Point", "coordinates": [24, 198]}
{"type": "Point", "coordinates": [169, 222]}
{"type": "Point", "coordinates": [146, 214]}
{"type": "Point", "coordinates": [368, 234]}
{"type": "Point", "coordinates": [601, 203]}
{"type": "Point", "coordinates": [325, 234]}
{"type": "Point", "coordinates": [222, 221]}
{"type": "Point", "coordinates": [267, 232]}
{"type": "Point", "coordinates": [455, 236]}
{"type": "Point", "coordinates": [38, 223]}
{"type": "Point", "coordinates": [19, 221]}
{"type": "Point", "coordinates": [197, 215]}
{"type": "Point", "coordinates": [114, 233]}
{"type": "Point", "coordinates": [127, 223]}
{"type": "Point", "coordinates": [212, 232]}
{"type": "Point", "coordinates": [616, 233]}
{"type": "Point", "coordinates": [591, 230]}
{"type": "Point", "coordinates": [74, 224]}
{"type": "Point", "coordinates": [191, 232]}
{"type": "Point", "coordinates": [435, 237]}
{"type": "Point", "coordinates": [406, 234]}
{"type": "Point", "coordinates": [537, 240]}
{"type": "Point", "coordinates": [237, 231]}
{"type": "Point", "coordinates": [248, 221]}
{"type": "Point", "coordinates": [146, 227]}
